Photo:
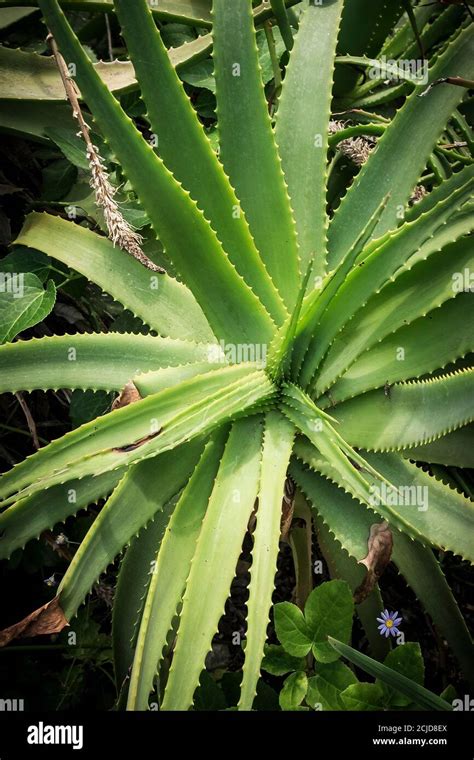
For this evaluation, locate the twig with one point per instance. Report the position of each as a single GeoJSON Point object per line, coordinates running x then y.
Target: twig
{"type": "Point", "coordinates": [120, 232]}
{"type": "Point", "coordinates": [109, 37]}
{"type": "Point", "coordinates": [29, 419]}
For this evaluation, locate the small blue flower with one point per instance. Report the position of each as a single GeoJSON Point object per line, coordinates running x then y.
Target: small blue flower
{"type": "Point", "coordinates": [388, 623]}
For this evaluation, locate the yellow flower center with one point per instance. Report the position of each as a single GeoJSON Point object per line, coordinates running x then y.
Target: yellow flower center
{"type": "Point", "coordinates": [389, 623]}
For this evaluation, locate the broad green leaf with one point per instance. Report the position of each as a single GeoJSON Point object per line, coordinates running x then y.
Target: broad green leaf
{"type": "Point", "coordinates": [23, 302]}
{"type": "Point", "coordinates": [97, 361]}
{"type": "Point", "coordinates": [293, 691]}
{"type": "Point", "coordinates": [302, 127]}
{"type": "Point", "coordinates": [328, 611]}
{"type": "Point", "coordinates": [247, 145]}
{"type": "Point", "coordinates": [407, 412]}
{"type": "Point", "coordinates": [363, 697]}
{"type": "Point", "coordinates": [406, 659]}
{"type": "Point", "coordinates": [324, 689]}
{"type": "Point", "coordinates": [142, 493]}
{"type": "Point", "coordinates": [292, 630]}
{"type": "Point", "coordinates": [277, 662]}
{"type": "Point", "coordinates": [418, 694]}
{"type": "Point", "coordinates": [454, 449]}
{"type": "Point", "coordinates": [396, 165]}
{"type": "Point", "coordinates": [160, 301]}
{"type": "Point", "coordinates": [276, 453]}
{"type": "Point", "coordinates": [187, 152]}
{"type": "Point", "coordinates": [232, 309]}
{"type": "Point", "coordinates": [219, 545]}
{"type": "Point", "coordinates": [169, 572]}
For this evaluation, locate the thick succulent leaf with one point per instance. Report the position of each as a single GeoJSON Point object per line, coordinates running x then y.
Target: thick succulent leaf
{"type": "Point", "coordinates": [417, 504]}
{"type": "Point", "coordinates": [170, 570]}
{"type": "Point", "coordinates": [186, 150]}
{"type": "Point", "coordinates": [410, 414]}
{"type": "Point", "coordinates": [428, 343]}
{"type": "Point", "coordinates": [412, 295]}
{"type": "Point", "coordinates": [140, 430]}
{"type": "Point", "coordinates": [232, 309]}
{"type": "Point", "coordinates": [160, 301]}
{"type": "Point", "coordinates": [140, 497]}
{"type": "Point", "coordinates": [350, 522]}
{"type": "Point", "coordinates": [215, 559]}
{"type": "Point", "coordinates": [101, 361]}
{"type": "Point", "coordinates": [153, 382]}
{"type": "Point", "coordinates": [454, 449]}
{"type": "Point", "coordinates": [342, 566]}
{"type": "Point", "coordinates": [381, 262]}
{"type": "Point", "coordinates": [129, 599]}
{"type": "Point", "coordinates": [302, 127]}
{"type": "Point", "coordinates": [396, 165]}
{"type": "Point", "coordinates": [29, 76]}
{"type": "Point", "coordinates": [277, 446]}
{"type": "Point", "coordinates": [29, 517]}
{"type": "Point", "coordinates": [247, 145]}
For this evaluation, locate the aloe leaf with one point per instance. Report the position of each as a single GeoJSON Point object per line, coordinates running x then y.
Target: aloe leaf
{"type": "Point", "coordinates": [132, 585]}
{"type": "Point", "coordinates": [407, 412]}
{"type": "Point", "coordinates": [396, 165]}
{"type": "Point", "coordinates": [413, 294]}
{"type": "Point", "coordinates": [170, 571]}
{"type": "Point", "coordinates": [160, 301]}
{"type": "Point", "coordinates": [417, 504]}
{"type": "Point", "coordinates": [454, 449]}
{"type": "Point", "coordinates": [186, 150]}
{"type": "Point", "coordinates": [98, 361]}
{"type": "Point", "coordinates": [302, 128]}
{"type": "Point", "coordinates": [161, 379]}
{"type": "Point", "coordinates": [276, 452]}
{"type": "Point", "coordinates": [220, 541]}
{"type": "Point", "coordinates": [140, 430]}
{"type": "Point", "coordinates": [416, 693]}
{"type": "Point", "coordinates": [141, 494]}
{"type": "Point", "coordinates": [250, 156]}
{"type": "Point", "coordinates": [29, 76]}
{"type": "Point", "coordinates": [423, 346]}
{"type": "Point", "coordinates": [232, 309]}
{"type": "Point", "coordinates": [31, 516]}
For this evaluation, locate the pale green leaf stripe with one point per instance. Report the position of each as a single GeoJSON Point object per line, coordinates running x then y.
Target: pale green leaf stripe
{"type": "Point", "coordinates": [341, 565]}
{"type": "Point", "coordinates": [30, 76]}
{"type": "Point", "coordinates": [416, 693]}
{"type": "Point", "coordinates": [153, 382]}
{"type": "Point", "coordinates": [414, 294]}
{"type": "Point", "coordinates": [454, 449]}
{"type": "Point", "coordinates": [160, 301]}
{"type": "Point", "coordinates": [100, 361]}
{"type": "Point", "coordinates": [397, 163]}
{"type": "Point", "coordinates": [302, 127]}
{"type": "Point", "coordinates": [31, 516]}
{"type": "Point", "coordinates": [247, 144]}
{"type": "Point", "coordinates": [349, 522]}
{"type": "Point", "coordinates": [215, 559]}
{"type": "Point", "coordinates": [170, 572]}
{"type": "Point", "coordinates": [181, 413]}
{"type": "Point", "coordinates": [428, 343]}
{"type": "Point", "coordinates": [187, 152]}
{"type": "Point", "coordinates": [446, 523]}
{"type": "Point", "coordinates": [277, 446]}
{"type": "Point", "coordinates": [231, 308]}
{"type": "Point", "coordinates": [143, 492]}
{"type": "Point", "coordinates": [410, 414]}
{"type": "Point", "coordinates": [129, 599]}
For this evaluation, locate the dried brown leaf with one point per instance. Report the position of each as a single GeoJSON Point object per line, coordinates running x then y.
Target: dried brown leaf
{"type": "Point", "coordinates": [379, 546]}
{"type": "Point", "coordinates": [47, 619]}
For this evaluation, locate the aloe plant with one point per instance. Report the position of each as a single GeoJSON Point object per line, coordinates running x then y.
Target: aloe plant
{"type": "Point", "coordinates": [322, 344]}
